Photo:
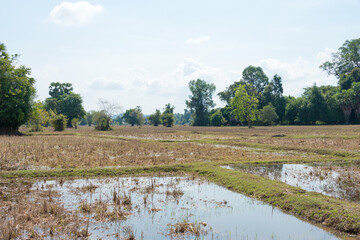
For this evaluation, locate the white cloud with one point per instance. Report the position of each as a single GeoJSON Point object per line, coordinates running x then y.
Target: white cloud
{"type": "Point", "coordinates": [197, 41]}
{"type": "Point", "coordinates": [75, 14]}
{"type": "Point", "coordinates": [137, 86]}
{"type": "Point", "coordinates": [300, 73]}
{"type": "Point", "coordinates": [141, 87]}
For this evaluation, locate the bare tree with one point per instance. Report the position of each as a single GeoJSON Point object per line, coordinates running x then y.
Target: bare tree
{"type": "Point", "coordinates": [107, 110]}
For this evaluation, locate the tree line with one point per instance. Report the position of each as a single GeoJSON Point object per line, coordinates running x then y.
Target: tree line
{"type": "Point", "coordinates": [255, 99]}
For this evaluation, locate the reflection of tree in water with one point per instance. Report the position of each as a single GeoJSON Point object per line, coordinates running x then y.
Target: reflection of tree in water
{"type": "Point", "coordinates": [342, 181]}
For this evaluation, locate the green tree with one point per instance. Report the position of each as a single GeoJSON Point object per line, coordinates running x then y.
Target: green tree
{"type": "Point", "coordinates": [16, 93]}
{"type": "Point", "coordinates": [70, 105]}
{"type": "Point", "coordinates": [229, 92]}
{"type": "Point", "coordinates": [346, 101]}
{"type": "Point", "coordinates": [56, 89]}
{"type": "Point", "coordinates": [245, 104]}
{"type": "Point", "coordinates": [39, 117]}
{"type": "Point", "coordinates": [316, 105]}
{"type": "Point", "coordinates": [64, 101]}
{"type": "Point", "coordinates": [155, 118]}
{"type": "Point", "coordinates": [268, 115]}
{"type": "Point", "coordinates": [347, 79]}
{"type": "Point", "coordinates": [200, 101]}
{"type": "Point", "coordinates": [75, 122]}
{"type": "Point", "coordinates": [292, 108]}
{"type": "Point", "coordinates": [134, 116]}
{"type": "Point", "coordinates": [89, 117]}
{"type": "Point", "coordinates": [167, 116]}
{"type": "Point", "coordinates": [255, 76]}
{"type": "Point", "coordinates": [217, 119]}
{"type": "Point", "coordinates": [345, 60]}
{"type": "Point", "coordinates": [58, 121]}
{"type": "Point", "coordinates": [100, 120]}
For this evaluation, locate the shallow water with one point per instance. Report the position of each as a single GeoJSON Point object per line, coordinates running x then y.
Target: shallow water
{"type": "Point", "coordinates": [222, 214]}
{"type": "Point", "coordinates": [332, 179]}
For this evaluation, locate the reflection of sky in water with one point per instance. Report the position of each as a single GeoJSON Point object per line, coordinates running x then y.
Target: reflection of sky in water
{"type": "Point", "coordinates": [241, 218]}
{"type": "Point", "coordinates": [301, 175]}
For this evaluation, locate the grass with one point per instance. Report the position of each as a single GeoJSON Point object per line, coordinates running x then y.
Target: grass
{"type": "Point", "coordinates": [198, 150]}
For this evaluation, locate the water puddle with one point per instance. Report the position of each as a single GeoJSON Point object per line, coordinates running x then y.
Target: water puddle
{"type": "Point", "coordinates": [332, 179]}
{"type": "Point", "coordinates": [173, 208]}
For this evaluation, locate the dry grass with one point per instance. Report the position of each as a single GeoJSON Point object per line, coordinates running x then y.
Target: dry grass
{"type": "Point", "coordinates": [34, 214]}
{"type": "Point", "coordinates": [57, 151]}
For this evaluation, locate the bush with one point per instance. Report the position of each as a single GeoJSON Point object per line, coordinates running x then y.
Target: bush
{"type": "Point", "coordinates": [168, 119]}
{"type": "Point", "coordinates": [58, 122]}
{"type": "Point", "coordinates": [268, 115]}
{"type": "Point", "coordinates": [101, 121]}
{"type": "Point", "coordinates": [155, 118]}
{"type": "Point", "coordinates": [75, 122]}
{"type": "Point", "coordinates": [217, 119]}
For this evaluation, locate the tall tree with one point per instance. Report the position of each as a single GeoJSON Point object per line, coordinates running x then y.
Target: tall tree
{"type": "Point", "coordinates": [347, 79]}
{"type": "Point", "coordinates": [134, 116]}
{"type": "Point", "coordinates": [16, 93]}
{"type": "Point", "coordinates": [255, 76]}
{"type": "Point", "coordinates": [245, 104]}
{"type": "Point", "coordinates": [167, 116]}
{"type": "Point", "coordinates": [317, 107]}
{"type": "Point", "coordinates": [229, 92]}
{"type": "Point", "coordinates": [155, 118]}
{"type": "Point", "coordinates": [64, 101]}
{"type": "Point", "coordinates": [346, 101]}
{"type": "Point", "coordinates": [200, 101]}
{"type": "Point", "coordinates": [58, 89]}
{"type": "Point", "coordinates": [345, 60]}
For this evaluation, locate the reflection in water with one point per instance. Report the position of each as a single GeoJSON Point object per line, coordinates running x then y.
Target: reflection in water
{"type": "Point", "coordinates": [155, 206]}
{"type": "Point", "coordinates": [334, 179]}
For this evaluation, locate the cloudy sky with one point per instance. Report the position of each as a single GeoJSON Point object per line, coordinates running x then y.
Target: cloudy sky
{"type": "Point", "coordinates": [145, 52]}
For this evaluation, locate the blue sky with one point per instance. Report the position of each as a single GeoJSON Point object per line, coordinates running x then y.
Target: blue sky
{"type": "Point", "coordinates": [145, 52]}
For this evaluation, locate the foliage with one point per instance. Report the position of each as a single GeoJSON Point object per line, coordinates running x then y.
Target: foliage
{"type": "Point", "coordinates": [347, 79]}
{"type": "Point", "coordinates": [39, 117]}
{"type": "Point", "coordinates": [64, 101]}
{"type": "Point", "coordinates": [75, 122]}
{"type": "Point", "coordinates": [345, 60]}
{"type": "Point", "coordinates": [58, 121]}
{"type": "Point", "coordinates": [107, 111]}
{"type": "Point", "coordinates": [229, 92]}
{"type": "Point", "coordinates": [89, 117]}
{"type": "Point", "coordinates": [101, 121]}
{"type": "Point", "coordinates": [57, 89]}
{"type": "Point", "coordinates": [16, 93]}
{"type": "Point", "coordinates": [200, 101]}
{"type": "Point", "coordinates": [217, 119]}
{"type": "Point", "coordinates": [134, 116]}
{"type": "Point", "coordinates": [268, 115]}
{"type": "Point", "coordinates": [255, 77]}
{"type": "Point", "coordinates": [167, 116]}
{"type": "Point", "coordinates": [70, 105]}
{"type": "Point", "coordinates": [244, 104]}
{"type": "Point", "coordinates": [183, 119]}
{"type": "Point", "coordinates": [155, 118]}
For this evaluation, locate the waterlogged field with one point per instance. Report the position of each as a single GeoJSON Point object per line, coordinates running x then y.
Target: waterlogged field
{"type": "Point", "coordinates": [150, 208]}
{"type": "Point", "coordinates": [341, 180]}
{"type": "Point", "coordinates": [119, 184]}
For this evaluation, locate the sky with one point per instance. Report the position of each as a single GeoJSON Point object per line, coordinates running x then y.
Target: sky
{"type": "Point", "coordinates": [144, 53]}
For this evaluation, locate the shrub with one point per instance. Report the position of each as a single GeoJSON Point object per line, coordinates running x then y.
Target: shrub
{"type": "Point", "coordinates": [217, 119]}
{"type": "Point", "coordinates": [58, 122]}
{"type": "Point", "coordinates": [268, 115]}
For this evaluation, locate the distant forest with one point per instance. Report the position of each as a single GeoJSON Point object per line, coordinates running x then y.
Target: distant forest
{"type": "Point", "coordinates": [256, 99]}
